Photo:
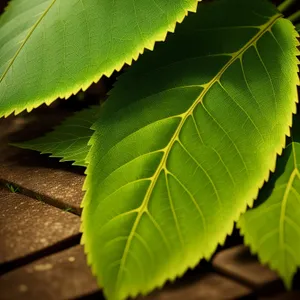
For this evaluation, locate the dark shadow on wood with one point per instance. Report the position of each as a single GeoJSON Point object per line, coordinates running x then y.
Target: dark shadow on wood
{"type": "Point", "coordinates": [22, 261]}
{"type": "Point", "coordinates": [48, 200]}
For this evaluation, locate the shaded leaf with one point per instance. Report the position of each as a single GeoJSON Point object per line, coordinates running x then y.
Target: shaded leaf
{"type": "Point", "coordinates": [68, 140]}
{"type": "Point", "coordinates": [272, 229]}
{"type": "Point", "coordinates": [54, 48]}
{"type": "Point", "coordinates": [185, 141]}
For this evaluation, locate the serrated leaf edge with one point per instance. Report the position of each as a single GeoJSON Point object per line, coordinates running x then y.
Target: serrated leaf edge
{"type": "Point", "coordinates": [50, 154]}
{"type": "Point", "coordinates": [158, 37]}
{"type": "Point", "coordinates": [229, 228]}
{"type": "Point", "coordinates": [247, 240]}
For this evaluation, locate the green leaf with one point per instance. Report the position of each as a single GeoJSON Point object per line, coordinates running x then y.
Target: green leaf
{"type": "Point", "coordinates": [272, 229]}
{"type": "Point", "coordinates": [54, 48]}
{"type": "Point", "coordinates": [69, 140]}
{"type": "Point", "coordinates": [185, 141]}
{"type": "Point", "coordinates": [298, 27]}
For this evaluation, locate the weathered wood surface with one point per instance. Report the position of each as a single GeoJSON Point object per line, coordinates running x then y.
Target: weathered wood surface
{"type": "Point", "coordinates": [208, 285]}
{"type": "Point", "coordinates": [34, 174]}
{"type": "Point", "coordinates": [29, 225]}
{"type": "Point", "coordinates": [63, 275]}
{"type": "Point", "coordinates": [40, 256]}
{"type": "Point", "coordinates": [238, 263]}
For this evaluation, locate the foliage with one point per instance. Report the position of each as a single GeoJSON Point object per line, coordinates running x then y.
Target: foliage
{"type": "Point", "coordinates": [54, 48]}
{"type": "Point", "coordinates": [69, 140]}
{"type": "Point", "coordinates": [12, 188]}
{"type": "Point", "coordinates": [187, 137]}
{"type": "Point", "coordinates": [206, 121]}
{"type": "Point", "coordinates": [272, 229]}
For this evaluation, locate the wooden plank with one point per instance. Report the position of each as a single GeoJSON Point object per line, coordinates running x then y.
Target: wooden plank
{"type": "Point", "coordinates": [205, 286]}
{"type": "Point", "coordinates": [56, 186]}
{"type": "Point", "coordinates": [64, 275]}
{"type": "Point", "coordinates": [59, 184]}
{"type": "Point", "coordinates": [238, 263]}
{"type": "Point", "coordinates": [28, 225]}
{"type": "Point", "coordinates": [292, 295]}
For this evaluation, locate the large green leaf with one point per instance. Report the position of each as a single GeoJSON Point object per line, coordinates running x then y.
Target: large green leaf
{"type": "Point", "coordinates": [68, 140]}
{"type": "Point", "coordinates": [272, 229]}
{"type": "Point", "coordinates": [185, 141]}
{"type": "Point", "coordinates": [53, 48]}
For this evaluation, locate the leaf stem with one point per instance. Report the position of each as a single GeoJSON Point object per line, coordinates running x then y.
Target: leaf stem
{"type": "Point", "coordinates": [285, 5]}
{"type": "Point", "coordinates": [295, 17]}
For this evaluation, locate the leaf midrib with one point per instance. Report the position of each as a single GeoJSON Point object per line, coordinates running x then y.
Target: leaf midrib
{"type": "Point", "coordinates": [162, 166]}
{"type": "Point", "coordinates": [26, 39]}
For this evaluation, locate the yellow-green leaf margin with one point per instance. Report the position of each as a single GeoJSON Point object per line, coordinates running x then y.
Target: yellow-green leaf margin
{"type": "Point", "coordinates": [185, 141]}
{"type": "Point", "coordinates": [54, 48]}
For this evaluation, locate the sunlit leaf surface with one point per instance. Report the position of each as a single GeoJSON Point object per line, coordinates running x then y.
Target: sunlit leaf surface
{"type": "Point", "coordinates": [54, 48]}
